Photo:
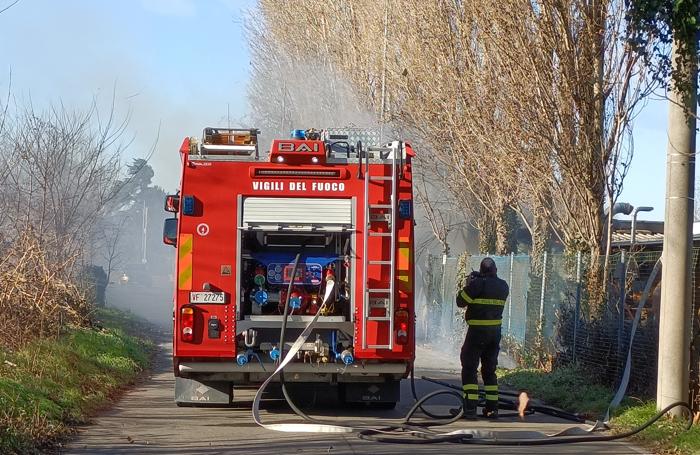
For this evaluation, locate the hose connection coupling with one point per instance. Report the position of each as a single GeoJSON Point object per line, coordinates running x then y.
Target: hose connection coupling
{"type": "Point", "coordinates": [346, 357]}
{"type": "Point", "coordinates": [242, 359]}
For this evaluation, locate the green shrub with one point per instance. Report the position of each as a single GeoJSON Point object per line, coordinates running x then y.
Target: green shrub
{"type": "Point", "coordinates": [51, 384]}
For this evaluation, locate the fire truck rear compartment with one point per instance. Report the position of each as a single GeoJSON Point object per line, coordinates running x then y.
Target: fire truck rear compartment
{"type": "Point", "coordinates": [266, 269]}
{"type": "Point", "coordinates": [267, 264]}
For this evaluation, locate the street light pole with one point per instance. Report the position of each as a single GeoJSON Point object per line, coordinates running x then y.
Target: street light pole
{"type": "Point", "coordinates": [633, 230]}
{"type": "Point", "coordinates": [144, 234]}
{"type": "Point", "coordinates": [675, 322]}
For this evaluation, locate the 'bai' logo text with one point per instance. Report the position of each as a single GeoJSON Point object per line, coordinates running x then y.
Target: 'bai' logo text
{"type": "Point", "coordinates": [292, 147]}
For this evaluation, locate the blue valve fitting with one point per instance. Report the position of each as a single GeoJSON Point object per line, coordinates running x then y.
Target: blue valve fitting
{"type": "Point", "coordinates": [260, 297]}
{"type": "Point", "coordinates": [295, 303]}
{"type": "Point", "coordinates": [346, 357]}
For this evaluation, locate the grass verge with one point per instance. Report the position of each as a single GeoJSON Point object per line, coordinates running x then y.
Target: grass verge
{"type": "Point", "coordinates": [571, 389]}
{"type": "Point", "coordinates": [52, 384]}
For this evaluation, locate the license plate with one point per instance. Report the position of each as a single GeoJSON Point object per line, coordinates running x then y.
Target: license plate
{"type": "Point", "coordinates": [207, 297]}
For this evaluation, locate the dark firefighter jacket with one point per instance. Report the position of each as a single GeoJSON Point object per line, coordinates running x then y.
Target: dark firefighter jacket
{"type": "Point", "coordinates": [484, 297]}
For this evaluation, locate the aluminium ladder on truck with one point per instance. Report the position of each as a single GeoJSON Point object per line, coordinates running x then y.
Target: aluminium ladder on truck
{"type": "Point", "coordinates": [380, 212]}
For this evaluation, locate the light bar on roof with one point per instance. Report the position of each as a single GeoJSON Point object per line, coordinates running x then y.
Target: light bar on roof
{"type": "Point", "coordinates": [216, 149]}
{"type": "Point", "coordinates": [229, 141]}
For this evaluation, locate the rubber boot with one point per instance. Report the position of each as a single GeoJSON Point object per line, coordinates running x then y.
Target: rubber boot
{"type": "Point", "coordinates": [469, 409]}
{"type": "Point", "coordinates": [490, 411]}
{"type": "Point", "coordinates": [469, 413]}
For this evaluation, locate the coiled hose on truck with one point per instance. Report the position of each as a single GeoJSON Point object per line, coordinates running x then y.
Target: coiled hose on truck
{"type": "Point", "coordinates": [405, 431]}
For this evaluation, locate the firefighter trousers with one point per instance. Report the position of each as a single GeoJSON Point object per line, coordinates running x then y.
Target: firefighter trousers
{"type": "Point", "coordinates": [480, 345]}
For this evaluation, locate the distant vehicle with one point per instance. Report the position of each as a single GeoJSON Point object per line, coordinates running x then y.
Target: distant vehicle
{"type": "Point", "coordinates": [124, 279]}
{"type": "Point", "coordinates": [347, 209]}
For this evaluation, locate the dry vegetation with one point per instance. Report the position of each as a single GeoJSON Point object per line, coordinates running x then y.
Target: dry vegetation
{"type": "Point", "coordinates": [59, 169]}
{"type": "Point", "coordinates": [34, 297]}
{"type": "Point", "coordinates": [516, 106]}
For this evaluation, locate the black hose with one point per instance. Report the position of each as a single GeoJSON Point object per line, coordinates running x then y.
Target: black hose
{"type": "Point", "coordinates": [531, 408]}
{"type": "Point", "coordinates": [447, 384]}
{"type": "Point", "coordinates": [422, 409]}
{"type": "Point", "coordinates": [380, 435]}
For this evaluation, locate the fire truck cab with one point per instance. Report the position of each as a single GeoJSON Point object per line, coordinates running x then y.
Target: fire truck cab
{"type": "Point", "coordinates": [339, 200]}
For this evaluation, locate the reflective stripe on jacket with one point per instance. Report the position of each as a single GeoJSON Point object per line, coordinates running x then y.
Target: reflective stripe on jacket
{"type": "Point", "coordinates": [484, 298]}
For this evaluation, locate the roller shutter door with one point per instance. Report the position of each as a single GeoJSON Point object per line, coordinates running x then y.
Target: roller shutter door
{"type": "Point", "coordinates": [304, 213]}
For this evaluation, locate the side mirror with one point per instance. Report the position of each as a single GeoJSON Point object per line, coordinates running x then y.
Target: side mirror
{"type": "Point", "coordinates": [172, 203]}
{"type": "Point", "coordinates": [170, 231]}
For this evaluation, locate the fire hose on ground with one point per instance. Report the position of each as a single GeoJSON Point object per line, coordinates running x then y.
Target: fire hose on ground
{"type": "Point", "coordinates": [408, 431]}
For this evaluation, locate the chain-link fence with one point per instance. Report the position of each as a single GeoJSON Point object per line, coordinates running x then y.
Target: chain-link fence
{"type": "Point", "coordinates": [551, 316]}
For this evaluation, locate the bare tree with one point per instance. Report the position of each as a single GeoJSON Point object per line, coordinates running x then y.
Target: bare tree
{"type": "Point", "coordinates": [64, 166]}
{"type": "Point", "coordinates": [529, 105]}
{"type": "Point", "coordinates": [60, 167]}
{"type": "Point", "coordinates": [109, 238]}
{"type": "Point", "coordinates": [439, 213]}
{"type": "Point", "coordinates": [10, 5]}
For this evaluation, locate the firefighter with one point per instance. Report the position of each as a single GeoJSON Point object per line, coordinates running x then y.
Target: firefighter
{"type": "Point", "coordinates": [484, 297]}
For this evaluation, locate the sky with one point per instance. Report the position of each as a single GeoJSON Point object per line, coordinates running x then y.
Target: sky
{"type": "Point", "coordinates": [645, 184]}
{"type": "Point", "coordinates": [173, 66]}
{"type": "Point", "coordinates": [176, 66]}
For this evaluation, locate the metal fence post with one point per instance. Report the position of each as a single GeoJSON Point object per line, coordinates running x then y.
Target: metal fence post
{"type": "Point", "coordinates": [577, 311]}
{"type": "Point", "coordinates": [544, 283]}
{"type": "Point", "coordinates": [443, 305]}
{"type": "Point", "coordinates": [510, 294]}
{"type": "Point", "coordinates": [428, 295]}
{"type": "Point", "coordinates": [621, 306]}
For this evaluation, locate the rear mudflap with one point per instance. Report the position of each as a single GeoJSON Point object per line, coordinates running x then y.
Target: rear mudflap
{"type": "Point", "coordinates": [191, 392]}
{"type": "Point", "coordinates": [371, 392]}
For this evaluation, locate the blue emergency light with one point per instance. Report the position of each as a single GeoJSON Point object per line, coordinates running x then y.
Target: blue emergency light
{"type": "Point", "coordinates": [405, 209]}
{"type": "Point", "coordinates": [298, 134]}
{"type": "Point", "coordinates": [188, 205]}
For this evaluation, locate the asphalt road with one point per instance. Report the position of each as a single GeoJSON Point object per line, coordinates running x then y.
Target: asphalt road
{"type": "Point", "coordinates": [146, 421]}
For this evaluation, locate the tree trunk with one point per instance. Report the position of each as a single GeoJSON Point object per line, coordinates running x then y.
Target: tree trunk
{"type": "Point", "coordinates": [540, 237]}
{"type": "Point", "coordinates": [506, 229]}
{"type": "Point", "coordinates": [487, 234]}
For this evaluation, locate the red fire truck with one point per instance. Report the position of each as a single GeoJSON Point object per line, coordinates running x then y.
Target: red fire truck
{"type": "Point", "coordinates": [340, 201]}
